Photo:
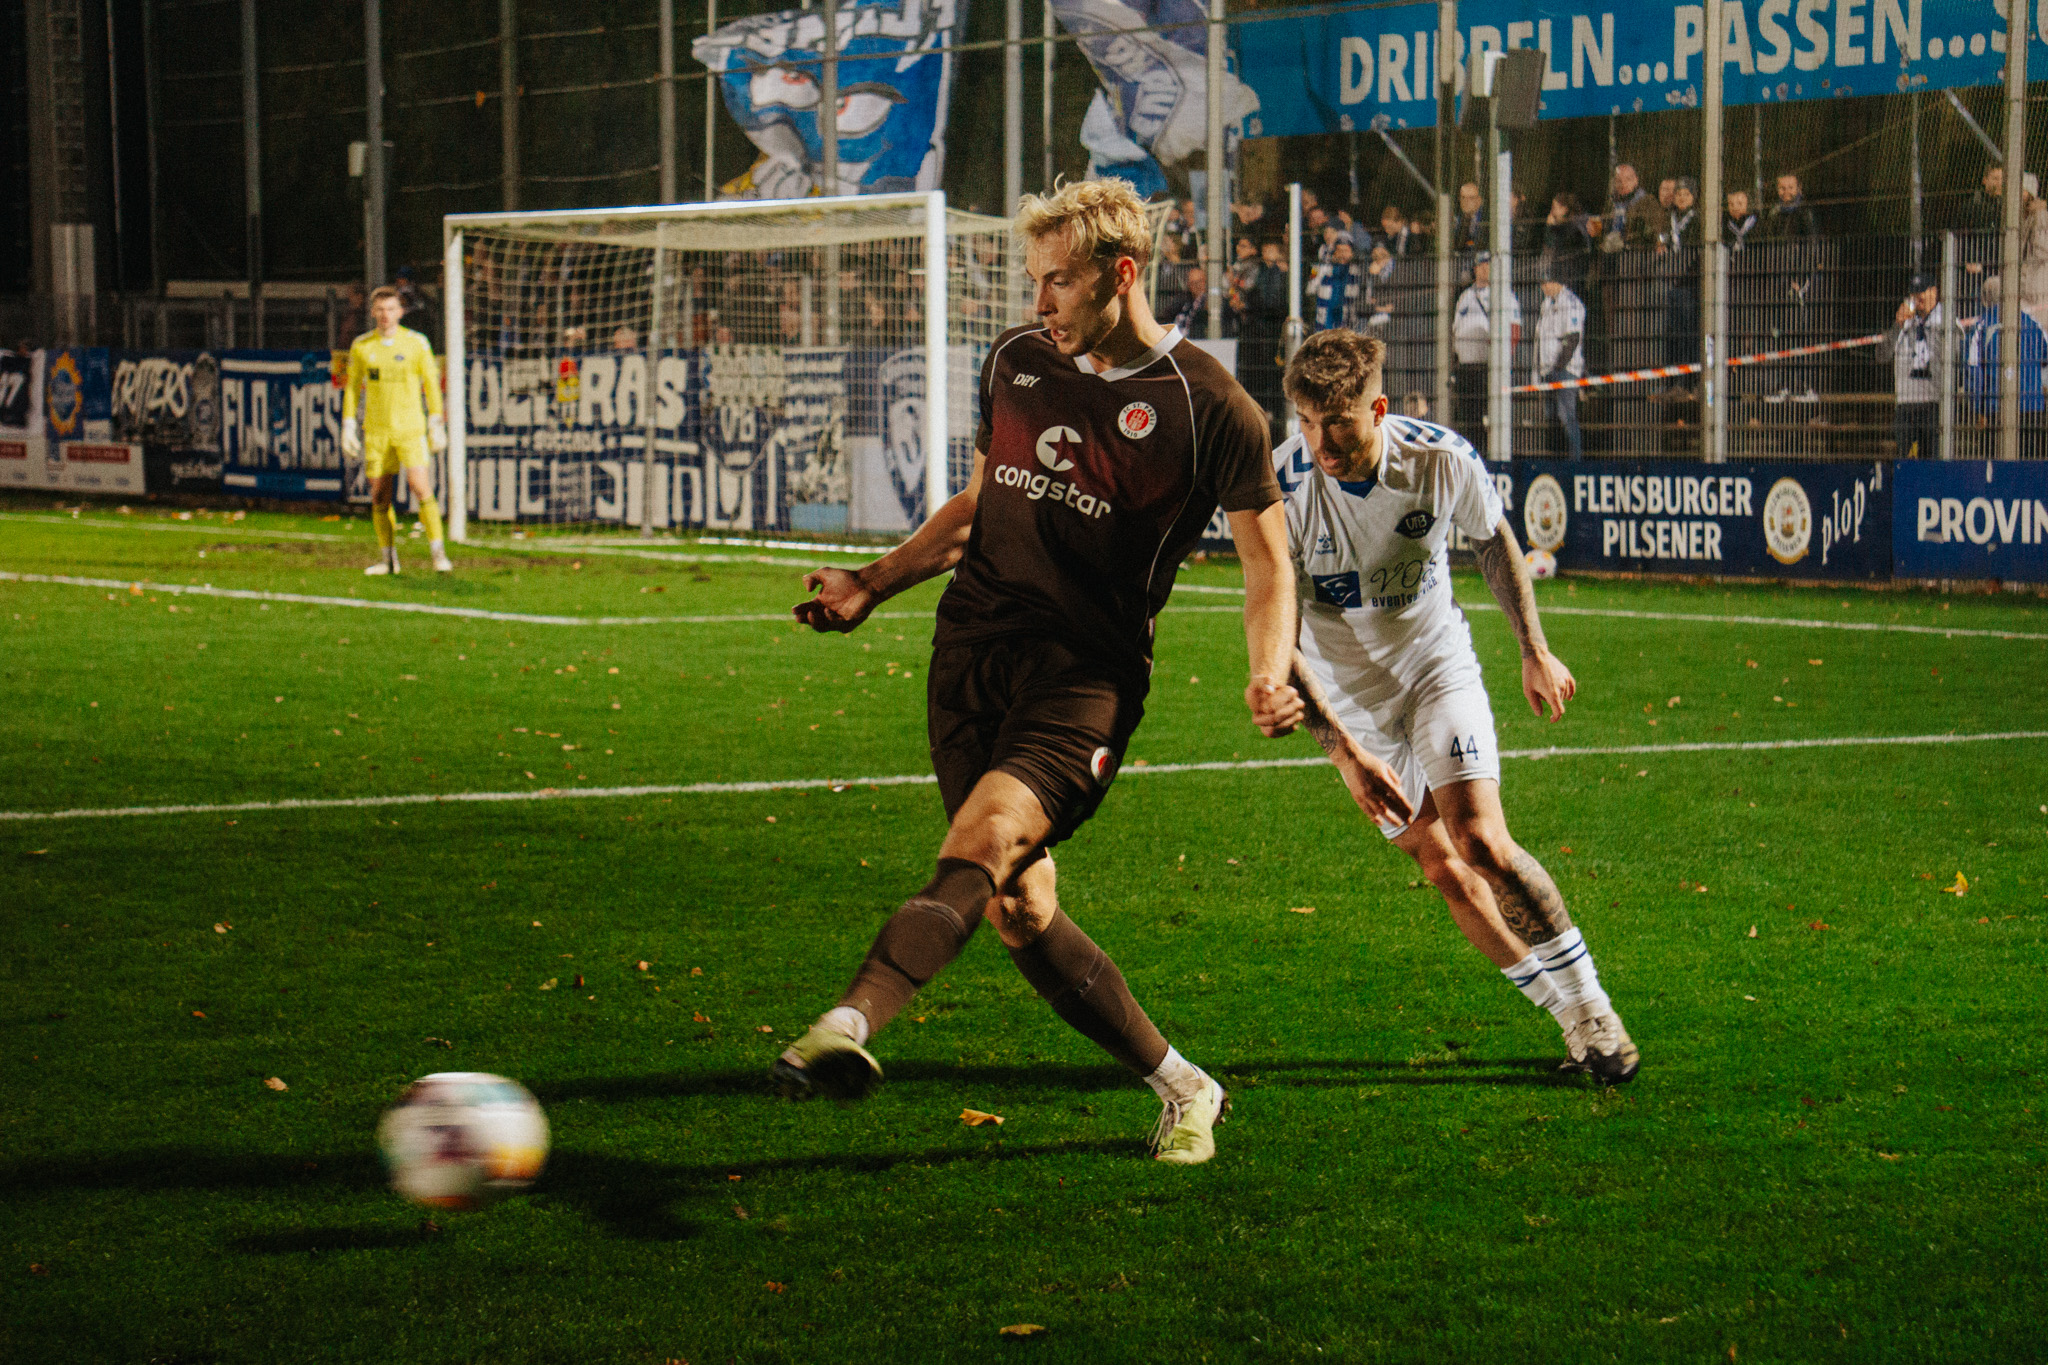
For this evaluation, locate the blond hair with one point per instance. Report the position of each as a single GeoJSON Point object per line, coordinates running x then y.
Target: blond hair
{"type": "Point", "coordinates": [1103, 219]}
{"type": "Point", "coordinates": [1334, 369]}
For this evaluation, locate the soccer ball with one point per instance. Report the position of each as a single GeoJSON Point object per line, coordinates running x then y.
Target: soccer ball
{"type": "Point", "coordinates": [459, 1139]}
{"type": "Point", "coordinates": [1542, 564]}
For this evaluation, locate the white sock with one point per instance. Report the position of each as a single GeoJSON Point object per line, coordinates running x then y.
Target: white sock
{"type": "Point", "coordinates": [1568, 967]}
{"type": "Point", "coordinates": [1528, 978]}
{"type": "Point", "coordinates": [435, 548]}
{"type": "Point", "coordinates": [847, 1020]}
{"type": "Point", "coordinates": [1178, 1080]}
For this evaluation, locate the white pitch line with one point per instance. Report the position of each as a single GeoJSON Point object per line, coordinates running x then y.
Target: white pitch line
{"type": "Point", "coordinates": [1887, 627]}
{"type": "Point", "coordinates": [925, 779]}
{"type": "Point", "coordinates": [196, 528]}
{"type": "Point", "coordinates": [425, 608]}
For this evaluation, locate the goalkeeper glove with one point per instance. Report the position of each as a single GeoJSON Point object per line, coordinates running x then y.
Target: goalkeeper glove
{"type": "Point", "coordinates": [437, 433]}
{"type": "Point", "coordinates": [351, 439]}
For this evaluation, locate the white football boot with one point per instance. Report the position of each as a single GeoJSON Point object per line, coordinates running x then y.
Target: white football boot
{"type": "Point", "coordinates": [387, 565]}
{"type": "Point", "coordinates": [442, 563]}
{"type": "Point", "coordinates": [1598, 1044]}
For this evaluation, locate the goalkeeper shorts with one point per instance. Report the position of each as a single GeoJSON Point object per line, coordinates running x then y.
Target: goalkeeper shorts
{"type": "Point", "coordinates": [385, 454]}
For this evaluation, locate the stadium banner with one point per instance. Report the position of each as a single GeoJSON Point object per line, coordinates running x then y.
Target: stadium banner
{"type": "Point", "coordinates": [895, 86]}
{"type": "Point", "coordinates": [1738, 520]}
{"type": "Point", "coordinates": [24, 459]}
{"type": "Point", "coordinates": [1151, 110]}
{"type": "Point", "coordinates": [100, 466]}
{"type": "Point", "coordinates": [77, 395]}
{"type": "Point", "coordinates": [746, 437]}
{"type": "Point", "coordinates": [1974, 519]}
{"type": "Point", "coordinates": [279, 418]}
{"type": "Point", "coordinates": [1373, 67]}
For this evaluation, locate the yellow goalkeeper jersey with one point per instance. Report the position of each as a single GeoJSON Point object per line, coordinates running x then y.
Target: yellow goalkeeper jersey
{"type": "Point", "coordinates": [393, 377]}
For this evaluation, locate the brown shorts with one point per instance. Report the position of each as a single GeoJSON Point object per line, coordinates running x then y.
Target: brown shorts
{"type": "Point", "coordinates": [1034, 709]}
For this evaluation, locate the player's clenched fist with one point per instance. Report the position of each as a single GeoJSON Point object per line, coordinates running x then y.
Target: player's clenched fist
{"type": "Point", "coordinates": [842, 600]}
{"type": "Point", "coordinates": [1276, 707]}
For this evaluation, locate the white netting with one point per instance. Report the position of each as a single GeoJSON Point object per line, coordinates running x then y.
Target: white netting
{"type": "Point", "coordinates": [788, 348]}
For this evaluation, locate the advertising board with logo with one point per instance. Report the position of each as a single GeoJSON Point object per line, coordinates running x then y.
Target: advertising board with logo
{"type": "Point", "coordinates": [1975, 519]}
{"type": "Point", "coordinates": [1797, 521]}
{"type": "Point", "coordinates": [22, 435]}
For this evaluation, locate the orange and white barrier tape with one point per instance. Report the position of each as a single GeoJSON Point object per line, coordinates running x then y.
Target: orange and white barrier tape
{"type": "Point", "coordinates": [1673, 371]}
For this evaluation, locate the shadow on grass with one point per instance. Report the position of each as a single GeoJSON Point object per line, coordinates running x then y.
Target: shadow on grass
{"type": "Point", "coordinates": [632, 1197]}
{"type": "Point", "coordinates": [1433, 1071]}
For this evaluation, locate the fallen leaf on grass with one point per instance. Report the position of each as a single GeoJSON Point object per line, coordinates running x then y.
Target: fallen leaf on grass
{"type": "Point", "coordinates": [739, 1212]}
{"type": "Point", "coordinates": [975, 1118]}
{"type": "Point", "coordinates": [1669, 704]}
{"type": "Point", "coordinates": [1752, 931]}
{"type": "Point", "coordinates": [198, 1014]}
{"type": "Point", "coordinates": [1889, 1156]}
{"type": "Point", "coordinates": [1814, 662]}
{"type": "Point", "coordinates": [1021, 1329]}
{"type": "Point", "coordinates": [549, 984]}
{"type": "Point", "coordinates": [222, 928]}
{"type": "Point", "coordinates": [776, 1286]}
{"type": "Point", "coordinates": [1985, 920]}
{"type": "Point", "coordinates": [696, 971]}
{"type": "Point", "coordinates": [275, 1084]}
{"type": "Point", "coordinates": [700, 1018]}
{"type": "Point", "coordinates": [1307, 909]}
{"type": "Point", "coordinates": [764, 1028]}
{"type": "Point", "coordinates": [1817, 925]}
{"type": "Point", "coordinates": [1749, 997]}
{"type": "Point", "coordinates": [643, 966]}
{"type": "Point", "coordinates": [1961, 887]}
{"type": "Point", "coordinates": [1538, 1220]}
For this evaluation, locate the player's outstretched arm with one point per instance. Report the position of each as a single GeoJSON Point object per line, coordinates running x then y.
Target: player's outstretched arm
{"type": "Point", "coordinates": [845, 597]}
{"type": "Point", "coordinates": [1269, 617]}
{"type": "Point", "coordinates": [1372, 784]}
{"type": "Point", "coordinates": [1546, 682]}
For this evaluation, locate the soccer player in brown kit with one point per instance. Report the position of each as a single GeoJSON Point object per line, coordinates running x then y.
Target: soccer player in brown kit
{"type": "Point", "coordinates": [1107, 442]}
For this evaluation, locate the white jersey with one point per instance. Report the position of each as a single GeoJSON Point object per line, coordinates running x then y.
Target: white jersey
{"type": "Point", "coordinates": [1371, 556]}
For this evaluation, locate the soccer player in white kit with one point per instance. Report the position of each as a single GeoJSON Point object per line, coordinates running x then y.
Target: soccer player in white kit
{"type": "Point", "coordinates": [1391, 682]}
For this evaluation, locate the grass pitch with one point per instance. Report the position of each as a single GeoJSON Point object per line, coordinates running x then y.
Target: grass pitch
{"type": "Point", "coordinates": [1834, 1151]}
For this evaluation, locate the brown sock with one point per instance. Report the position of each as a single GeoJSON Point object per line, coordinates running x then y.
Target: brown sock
{"type": "Point", "coordinates": [919, 940]}
{"type": "Point", "coordinates": [1084, 988]}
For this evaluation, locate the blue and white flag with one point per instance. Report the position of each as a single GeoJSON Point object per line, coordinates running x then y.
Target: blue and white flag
{"type": "Point", "coordinates": [1154, 97]}
{"type": "Point", "coordinates": [894, 85]}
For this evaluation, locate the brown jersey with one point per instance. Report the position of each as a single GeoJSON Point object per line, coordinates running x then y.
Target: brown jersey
{"type": "Point", "coordinates": [1096, 485]}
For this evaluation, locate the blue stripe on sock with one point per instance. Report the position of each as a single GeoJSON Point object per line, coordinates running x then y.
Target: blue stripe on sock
{"type": "Point", "coordinates": [1525, 980]}
{"type": "Point", "coordinates": [1566, 962]}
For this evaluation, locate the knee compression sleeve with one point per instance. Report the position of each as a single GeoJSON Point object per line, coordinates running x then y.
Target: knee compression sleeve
{"type": "Point", "coordinates": [919, 940]}
{"type": "Point", "coordinates": [1085, 988]}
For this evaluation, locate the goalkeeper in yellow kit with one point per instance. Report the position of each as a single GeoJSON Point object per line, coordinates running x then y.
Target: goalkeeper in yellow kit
{"type": "Point", "coordinates": [393, 368]}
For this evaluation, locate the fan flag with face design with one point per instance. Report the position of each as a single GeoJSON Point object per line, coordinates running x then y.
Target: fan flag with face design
{"type": "Point", "coordinates": [894, 85]}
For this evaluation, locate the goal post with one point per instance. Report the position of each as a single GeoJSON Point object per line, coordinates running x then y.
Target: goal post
{"type": "Point", "coordinates": [788, 365]}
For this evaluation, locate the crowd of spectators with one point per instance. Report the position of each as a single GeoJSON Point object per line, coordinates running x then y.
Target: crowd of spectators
{"type": "Point", "coordinates": [1617, 284]}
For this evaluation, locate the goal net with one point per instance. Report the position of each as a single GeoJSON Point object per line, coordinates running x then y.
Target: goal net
{"type": "Point", "coordinates": [776, 360]}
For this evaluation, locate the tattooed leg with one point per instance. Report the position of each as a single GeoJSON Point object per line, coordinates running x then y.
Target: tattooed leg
{"type": "Point", "coordinates": [1467, 895]}
{"type": "Point", "coordinates": [1527, 897]}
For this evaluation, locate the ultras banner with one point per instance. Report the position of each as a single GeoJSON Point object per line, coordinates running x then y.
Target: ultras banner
{"type": "Point", "coordinates": [745, 437]}
{"type": "Point", "coordinates": [1319, 73]}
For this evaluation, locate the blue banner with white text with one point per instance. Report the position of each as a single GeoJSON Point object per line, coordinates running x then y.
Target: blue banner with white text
{"type": "Point", "coordinates": [1738, 520]}
{"type": "Point", "coordinates": [1975, 519]}
{"type": "Point", "coordinates": [1325, 73]}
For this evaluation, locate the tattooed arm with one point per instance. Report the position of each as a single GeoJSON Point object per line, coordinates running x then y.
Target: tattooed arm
{"type": "Point", "coordinates": [1545, 679]}
{"type": "Point", "coordinates": [1372, 784]}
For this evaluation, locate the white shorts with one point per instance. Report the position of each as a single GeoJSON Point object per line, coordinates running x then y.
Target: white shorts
{"type": "Point", "coordinates": [1432, 734]}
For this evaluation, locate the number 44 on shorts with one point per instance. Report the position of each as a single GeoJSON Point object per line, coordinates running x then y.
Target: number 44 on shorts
{"type": "Point", "coordinates": [1467, 748]}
